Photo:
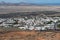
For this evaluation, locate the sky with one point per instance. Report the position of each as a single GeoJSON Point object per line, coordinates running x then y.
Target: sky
{"type": "Point", "coordinates": [33, 1]}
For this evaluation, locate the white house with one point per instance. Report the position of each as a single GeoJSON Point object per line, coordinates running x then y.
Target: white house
{"type": "Point", "coordinates": [23, 28]}
{"type": "Point", "coordinates": [31, 28]}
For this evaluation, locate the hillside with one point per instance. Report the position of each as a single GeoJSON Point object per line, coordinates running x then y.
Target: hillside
{"type": "Point", "coordinates": [30, 35]}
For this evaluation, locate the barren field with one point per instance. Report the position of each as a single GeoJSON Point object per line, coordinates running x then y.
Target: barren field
{"type": "Point", "coordinates": [10, 9]}
{"type": "Point", "coordinates": [30, 35]}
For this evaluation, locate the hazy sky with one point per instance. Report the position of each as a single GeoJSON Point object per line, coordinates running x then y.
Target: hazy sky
{"type": "Point", "coordinates": [33, 1]}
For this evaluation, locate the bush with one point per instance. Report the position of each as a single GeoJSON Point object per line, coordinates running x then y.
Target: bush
{"type": "Point", "coordinates": [49, 22]}
{"type": "Point", "coordinates": [58, 25]}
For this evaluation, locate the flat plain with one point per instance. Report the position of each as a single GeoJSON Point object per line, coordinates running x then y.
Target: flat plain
{"type": "Point", "coordinates": [11, 9]}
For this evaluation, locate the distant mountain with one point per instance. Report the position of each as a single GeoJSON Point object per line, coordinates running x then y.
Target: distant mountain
{"type": "Point", "coordinates": [16, 4]}
{"type": "Point", "coordinates": [26, 4]}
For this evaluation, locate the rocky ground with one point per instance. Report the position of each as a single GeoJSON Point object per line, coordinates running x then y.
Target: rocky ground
{"type": "Point", "coordinates": [29, 35]}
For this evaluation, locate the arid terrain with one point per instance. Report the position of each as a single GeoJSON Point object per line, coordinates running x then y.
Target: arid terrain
{"type": "Point", "coordinates": [11, 9]}
{"type": "Point", "coordinates": [30, 35]}
{"type": "Point", "coordinates": [17, 11]}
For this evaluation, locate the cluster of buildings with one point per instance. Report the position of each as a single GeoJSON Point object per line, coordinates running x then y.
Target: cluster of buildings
{"type": "Point", "coordinates": [31, 23]}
